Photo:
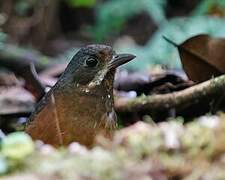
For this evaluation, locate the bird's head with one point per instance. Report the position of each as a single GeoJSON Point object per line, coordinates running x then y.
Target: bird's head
{"type": "Point", "coordinates": [91, 64]}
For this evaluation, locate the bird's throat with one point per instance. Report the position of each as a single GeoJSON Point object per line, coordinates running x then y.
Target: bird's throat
{"type": "Point", "coordinates": [100, 85]}
{"type": "Point", "coordinates": [98, 79]}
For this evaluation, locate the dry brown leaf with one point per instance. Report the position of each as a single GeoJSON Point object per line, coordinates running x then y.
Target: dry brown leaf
{"type": "Point", "coordinates": [202, 57]}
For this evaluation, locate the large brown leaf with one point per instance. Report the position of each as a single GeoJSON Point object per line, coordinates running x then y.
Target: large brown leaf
{"type": "Point", "coordinates": [202, 57]}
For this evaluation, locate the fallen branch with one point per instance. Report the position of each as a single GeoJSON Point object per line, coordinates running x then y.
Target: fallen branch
{"type": "Point", "coordinates": [205, 92]}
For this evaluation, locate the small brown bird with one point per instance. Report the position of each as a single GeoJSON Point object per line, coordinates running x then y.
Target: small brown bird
{"type": "Point", "coordinates": [80, 105]}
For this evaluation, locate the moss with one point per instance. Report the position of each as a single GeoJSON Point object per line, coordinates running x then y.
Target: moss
{"type": "Point", "coordinates": [191, 151]}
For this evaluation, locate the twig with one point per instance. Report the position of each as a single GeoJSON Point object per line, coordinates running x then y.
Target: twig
{"type": "Point", "coordinates": [33, 83]}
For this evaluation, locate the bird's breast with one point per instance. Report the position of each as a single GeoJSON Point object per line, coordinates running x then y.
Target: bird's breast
{"type": "Point", "coordinates": [86, 114]}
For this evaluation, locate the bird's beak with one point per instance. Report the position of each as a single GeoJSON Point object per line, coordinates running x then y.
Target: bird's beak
{"type": "Point", "coordinates": [120, 59]}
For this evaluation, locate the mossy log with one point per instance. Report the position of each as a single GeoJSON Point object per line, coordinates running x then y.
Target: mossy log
{"type": "Point", "coordinates": [209, 91]}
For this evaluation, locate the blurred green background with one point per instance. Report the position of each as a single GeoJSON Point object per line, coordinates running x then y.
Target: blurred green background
{"type": "Point", "coordinates": [60, 27]}
{"type": "Point", "coordinates": [49, 30]}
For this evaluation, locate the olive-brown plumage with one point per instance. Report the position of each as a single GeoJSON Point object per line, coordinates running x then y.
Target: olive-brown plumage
{"type": "Point", "coordinates": [80, 105]}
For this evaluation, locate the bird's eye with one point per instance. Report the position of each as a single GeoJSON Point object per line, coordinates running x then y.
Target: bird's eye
{"type": "Point", "coordinates": [91, 62]}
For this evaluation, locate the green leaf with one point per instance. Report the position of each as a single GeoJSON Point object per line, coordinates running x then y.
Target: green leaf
{"type": "Point", "coordinates": [112, 15]}
{"type": "Point", "coordinates": [81, 3]}
{"type": "Point", "coordinates": [206, 5]}
{"type": "Point", "coordinates": [3, 165]}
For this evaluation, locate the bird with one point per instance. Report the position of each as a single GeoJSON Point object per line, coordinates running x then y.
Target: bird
{"type": "Point", "coordinates": [80, 105]}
